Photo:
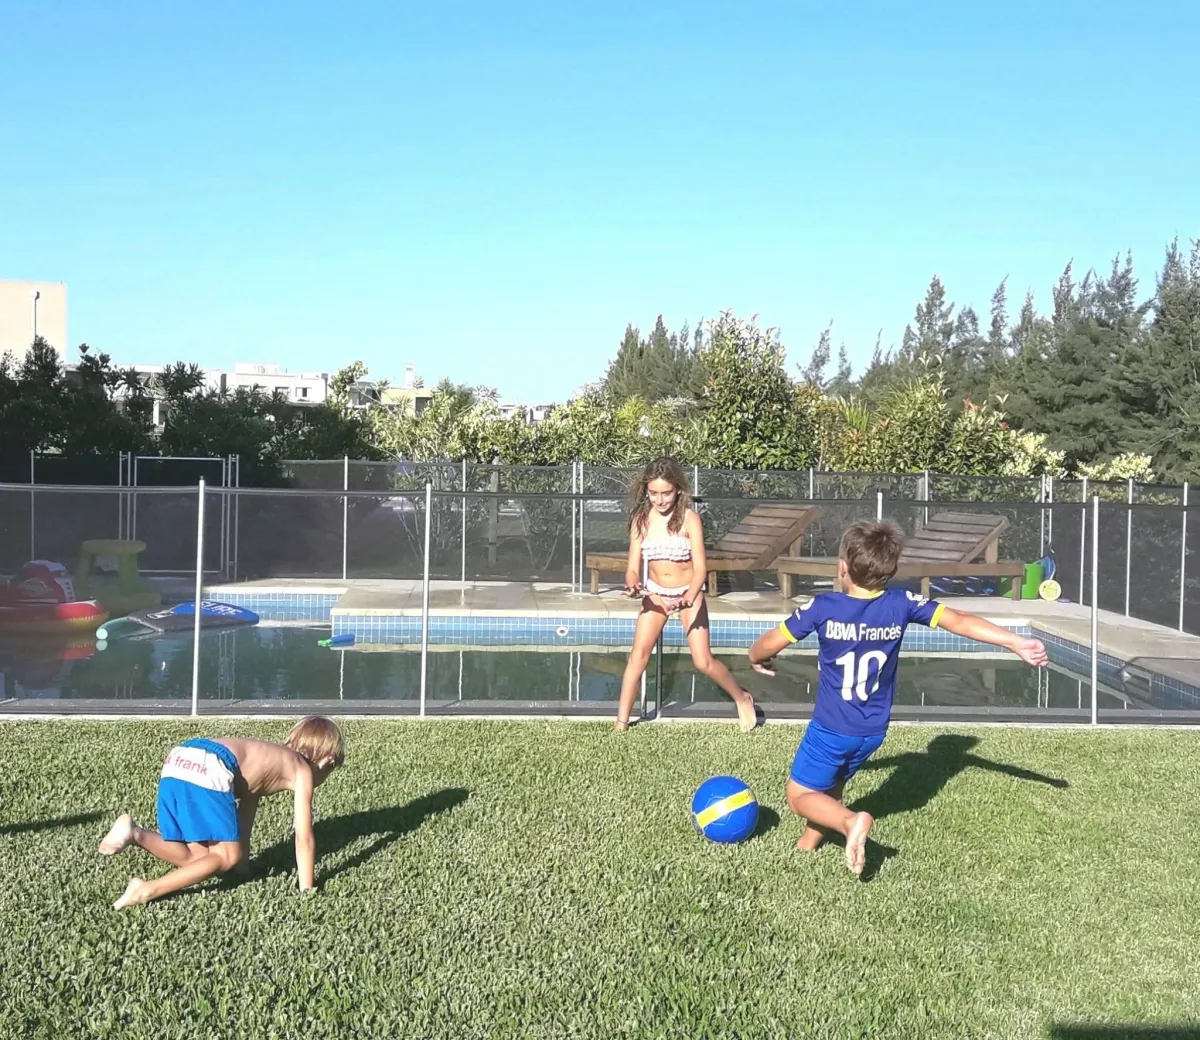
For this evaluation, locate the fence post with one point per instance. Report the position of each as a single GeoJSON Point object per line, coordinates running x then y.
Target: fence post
{"type": "Point", "coordinates": [926, 496]}
{"type": "Point", "coordinates": [425, 596]}
{"type": "Point", "coordinates": [196, 604]}
{"type": "Point", "coordinates": [237, 511]}
{"type": "Point", "coordinates": [695, 479]}
{"type": "Point", "coordinates": [582, 520]}
{"type": "Point", "coordinates": [1042, 511]}
{"type": "Point", "coordinates": [1095, 602]}
{"type": "Point", "coordinates": [493, 511]}
{"type": "Point", "coordinates": [878, 505]}
{"type": "Point", "coordinates": [1083, 539]}
{"type": "Point", "coordinates": [812, 484]}
{"type": "Point", "coordinates": [1128, 543]}
{"type": "Point", "coordinates": [574, 519]}
{"type": "Point", "coordinates": [32, 506]}
{"type": "Point", "coordinates": [1183, 557]}
{"type": "Point", "coordinates": [345, 512]}
{"type": "Point", "coordinates": [464, 523]}
{"type": "Point", "coordinates": [1050, 514]}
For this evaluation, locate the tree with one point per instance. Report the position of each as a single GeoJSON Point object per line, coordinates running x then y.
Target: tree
{"type": "Point", "coordinates": [814, 372]}
{"type": "Point", "coordinates": [842, 384]}
{"type": "Point", "coordinates": [664, 365]}
{"type": "Point", "coordinates": [750, 406]}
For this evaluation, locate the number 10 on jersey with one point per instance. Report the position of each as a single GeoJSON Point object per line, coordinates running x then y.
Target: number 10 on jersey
{"type": "Point", "coordinates": [856, 674]}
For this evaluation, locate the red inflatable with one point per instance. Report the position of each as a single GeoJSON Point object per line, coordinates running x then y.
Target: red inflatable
{"type": "Point", "coordinates": [40, 600]}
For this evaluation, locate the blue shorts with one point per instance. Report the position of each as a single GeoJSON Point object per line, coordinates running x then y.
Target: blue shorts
{"type": "Point", "coordinates": [825, 759]}
{"type": "Point", "coordinates": [195, 793]}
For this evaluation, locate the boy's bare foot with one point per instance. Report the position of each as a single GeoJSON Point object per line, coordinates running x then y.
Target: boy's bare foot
{"type": "Point", "coordinates": [119, 837]}
{"type": "Point", "coordinates": [137, 891]}
{"type": "Point", "coordinates": [620, 727]}
{"type": "Point", "coordinates": [856, 842]}
{"type": "Point", "coordinates": [810, 840]}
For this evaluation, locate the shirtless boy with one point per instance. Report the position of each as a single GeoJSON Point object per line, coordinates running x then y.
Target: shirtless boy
{"type": "Point", "coordinates": [208, 793]}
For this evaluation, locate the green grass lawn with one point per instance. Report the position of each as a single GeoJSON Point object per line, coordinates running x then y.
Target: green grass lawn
{"type": "Point", "coordinates": [482, 879]}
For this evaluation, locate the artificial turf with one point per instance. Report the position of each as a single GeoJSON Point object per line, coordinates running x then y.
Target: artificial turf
{"type": "Point", "coordinates": [522, 879]}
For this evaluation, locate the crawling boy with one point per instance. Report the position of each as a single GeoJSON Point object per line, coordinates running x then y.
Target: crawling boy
{"type": "Point", "coordinates": [859, 631]}
{"type": "Point", "coordinates": [208, 794]}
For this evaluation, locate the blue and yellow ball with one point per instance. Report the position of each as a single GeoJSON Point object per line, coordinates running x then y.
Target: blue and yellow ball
{"type": "Point", "coordinates": [725, 810]}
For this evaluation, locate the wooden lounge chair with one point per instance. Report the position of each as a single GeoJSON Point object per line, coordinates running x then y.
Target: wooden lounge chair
{"type": "Point", "coordinates": [763, 536]}
{"type": "Point", "coordinates": [950, 545]}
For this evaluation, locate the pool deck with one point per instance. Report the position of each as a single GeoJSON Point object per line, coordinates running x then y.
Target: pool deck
{"type": "Point", "coordinates": [1123, 639]}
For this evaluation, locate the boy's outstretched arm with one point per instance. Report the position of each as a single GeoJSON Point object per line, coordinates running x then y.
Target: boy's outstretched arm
{"type": "Point", "coordinates": [306, 843]}
{"type": "Point", "coordinates": [1031, 651]}
{"type": "Point", "coordinates": [765, 647]}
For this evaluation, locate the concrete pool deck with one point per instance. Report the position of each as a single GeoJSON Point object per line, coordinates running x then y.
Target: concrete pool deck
{"type": "Point", "coordinates": [1169, 652]}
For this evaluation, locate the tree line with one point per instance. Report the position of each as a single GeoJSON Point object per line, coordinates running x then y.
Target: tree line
{"type": "Point", "coordinates": [1105, 383]}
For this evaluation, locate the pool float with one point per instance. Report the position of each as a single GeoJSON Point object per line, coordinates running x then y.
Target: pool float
{"type": "Point", "coordinates": [46, 617]}
{"type": "Point", "coordinates": [40, 600]}
{"type": "Point", "coordinates": [179, 618]}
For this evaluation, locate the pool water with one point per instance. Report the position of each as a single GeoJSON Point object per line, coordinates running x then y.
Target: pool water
{"type": "Point", "coordinates": [271, 668]}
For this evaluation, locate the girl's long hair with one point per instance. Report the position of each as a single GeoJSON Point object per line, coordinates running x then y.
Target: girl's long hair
{"type": "Point", "coordinates": [666, 469]}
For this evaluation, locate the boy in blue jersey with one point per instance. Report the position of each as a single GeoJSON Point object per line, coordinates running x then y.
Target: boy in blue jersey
{"type": "Point", "coordinates": [859, 630]}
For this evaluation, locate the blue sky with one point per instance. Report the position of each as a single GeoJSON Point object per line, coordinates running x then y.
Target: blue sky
{"type": "Point", "coordinates": [492, 191]}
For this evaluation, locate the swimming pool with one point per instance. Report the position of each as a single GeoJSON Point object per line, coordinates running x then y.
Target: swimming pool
{"type": "Point", "coordinates": [282, 669]}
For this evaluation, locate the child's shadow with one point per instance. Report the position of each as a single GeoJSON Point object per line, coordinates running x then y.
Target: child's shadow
{"type": "Point", "coordinates": [919, 776]}
{"type": "Point", "coordinates": [335, 833]}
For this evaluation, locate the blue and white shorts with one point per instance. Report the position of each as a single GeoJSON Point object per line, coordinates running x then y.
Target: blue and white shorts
{"type": "Point", "coordinates": [195, 793]}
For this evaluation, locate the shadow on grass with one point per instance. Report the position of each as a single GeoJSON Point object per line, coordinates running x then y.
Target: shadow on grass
{"type": "Point", "coordinates": [919, 776]}
{"type": "Point", "coordinates": [1128, 1032]}
{"type": "Point", "coordinates": [337, 832]}
{"type": "Point", "coordinates": [768, 820]}
{"type": "Point", "coordinates": [37, 826]}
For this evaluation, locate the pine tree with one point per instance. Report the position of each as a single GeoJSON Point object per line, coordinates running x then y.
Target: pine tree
{"type": "Point", "coordinates": [814, 372]}
{"type": "Point", "coordinates": [842, 384]}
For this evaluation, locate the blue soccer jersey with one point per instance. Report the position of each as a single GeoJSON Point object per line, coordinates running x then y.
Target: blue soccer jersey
{"type": "Point", "coordinates": [859, 640]}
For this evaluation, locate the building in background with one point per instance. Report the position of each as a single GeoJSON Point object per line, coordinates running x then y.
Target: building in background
{"type": "Point", "coordinates": [29, 309]}
{"type": "Point", "coordinates": [297, 387]}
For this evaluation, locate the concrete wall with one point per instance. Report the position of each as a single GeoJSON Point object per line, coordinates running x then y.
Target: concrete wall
{"type": "Point", "coordinates": [16, 315]}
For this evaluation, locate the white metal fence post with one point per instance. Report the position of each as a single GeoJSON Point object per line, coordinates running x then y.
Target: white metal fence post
{"type": "Point", "coordinates": [32, 506]}
{"type": "Point", "coordinates": [1183, 558]}
{"type": "Point", "coordinates": [197, 602]}
{"type": "Point", "coordinates": [582, 522]}
{"type": "Point", "coordinates": [1095, 603]}
{"type": "Point", "coordinates": [1128, 543]}
{"type": "Point", "coordinates": [1083, 539]}
{"type": "Point", "coordinates": [1042, 510]}
{"type": "Point", "coordinates": [345, 514]}
{"type": "Point", "coordinates": [574, 519]}
{"type": "Point", "coordinates": [878, 505]}
{"type": "Point", "coordinates": [464, 522]}
{"type": "Point", "coordinates": [425, 596]}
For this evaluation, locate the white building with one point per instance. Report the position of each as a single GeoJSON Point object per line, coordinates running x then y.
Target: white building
{"type": "Point", "coordinates": [297, 387]}
{"type": "Point", "coordinates": [31, 309]}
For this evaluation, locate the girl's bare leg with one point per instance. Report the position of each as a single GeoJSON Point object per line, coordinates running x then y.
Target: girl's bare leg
{"type": "Point", "coordinates": [650, 624]}
{"type": "Point", "coordinates": [695, 623]}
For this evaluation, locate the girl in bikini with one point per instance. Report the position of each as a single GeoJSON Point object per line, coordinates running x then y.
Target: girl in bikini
{"type": "Point", "coordinates": [667, 535]}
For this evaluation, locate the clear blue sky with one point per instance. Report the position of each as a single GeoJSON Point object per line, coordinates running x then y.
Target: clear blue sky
{"type": "Point", "coordinates": [491, 191]}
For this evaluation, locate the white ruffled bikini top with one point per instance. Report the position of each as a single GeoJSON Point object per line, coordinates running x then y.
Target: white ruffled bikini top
{"type": "Point", "coordinates": [677, 548]}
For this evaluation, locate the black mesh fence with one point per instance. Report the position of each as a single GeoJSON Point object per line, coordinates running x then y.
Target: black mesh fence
{"type": "Point", "coordinates": [946, 487]}
{"type": "Point", "coordinates": [87, 470]}
{"type": "Point", "coordinates": [288, 534]}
